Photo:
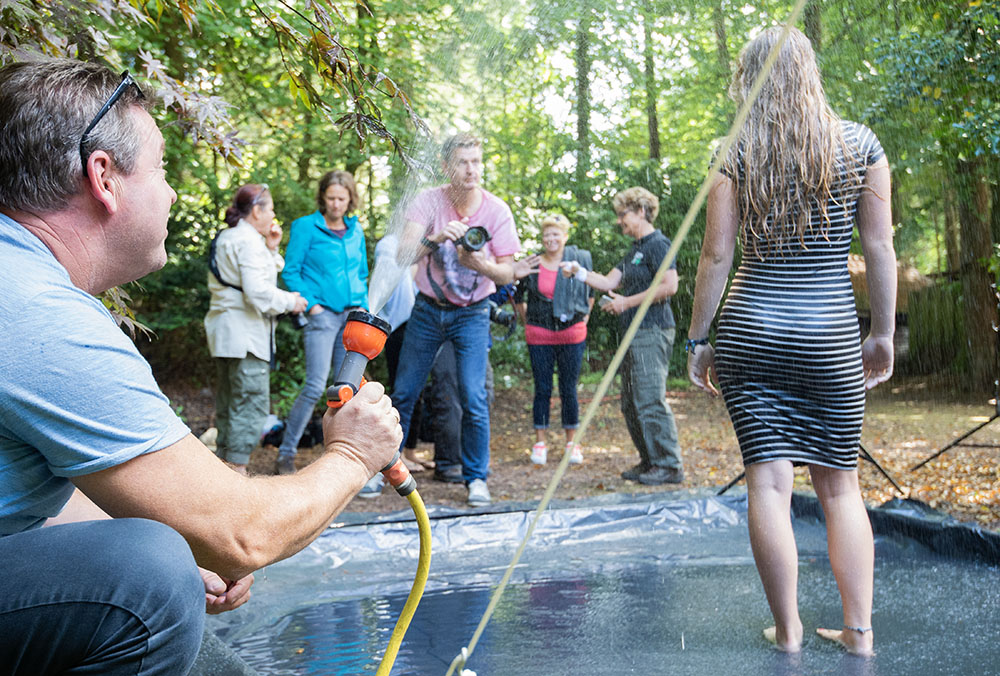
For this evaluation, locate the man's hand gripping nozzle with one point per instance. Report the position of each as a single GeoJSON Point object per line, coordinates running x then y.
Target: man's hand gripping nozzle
{"type": "Point", "coordinates": [364, 337]}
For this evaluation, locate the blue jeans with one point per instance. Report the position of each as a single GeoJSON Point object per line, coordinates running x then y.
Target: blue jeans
{"type": "Point", "coordinates": [568, 359]}
{"type": "Point", "coordinates": [468, 328]}
{"type": "Point", "coordinates": [648, 416]}
{"type": "Point", "coordinates": [324, 345]}
{"type": "Point", "coordinates": [110, 597]}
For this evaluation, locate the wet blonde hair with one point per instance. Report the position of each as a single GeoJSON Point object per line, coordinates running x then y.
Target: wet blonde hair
{"type": "Point", "coordinates": [556, 221]}
{"type": "Point", "coordinates": [637, 199]}
{"type": "Point", "coordinates": [784, 159]}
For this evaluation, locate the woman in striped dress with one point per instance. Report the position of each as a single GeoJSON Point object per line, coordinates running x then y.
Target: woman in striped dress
{"type": "Point", "coordinates": [788, 355]}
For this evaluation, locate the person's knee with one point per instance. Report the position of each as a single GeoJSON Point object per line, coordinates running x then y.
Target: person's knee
{"type": "Point", "coordinates": [156, 580]}
{"type": "Point", "coordinates": [313, 389]}
{"type": "Point", "coordinates": [774, 477]}
{"type": "Point", "coordinates": [543, 391]}
{"type": "Point", "coordinates": [176, 592]}
{"type": "Point", "coordinates": [831, 484]}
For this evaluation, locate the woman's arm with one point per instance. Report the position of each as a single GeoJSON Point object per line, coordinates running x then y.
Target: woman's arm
{"type": "Point", "coordinates": [721, 227]}
{"type": "Point", "coordinates": [295, 255]}
{"type": "Point", "coordinates": [666, 289]}
{"type": "Point", "coordinates": [257, 273]}
{"type": "Point", "coordinates": [875, 230]}
{"type": "Point", "coordinates": [597, 281]}
{"type": "Point", "coordinates": [716, 256]}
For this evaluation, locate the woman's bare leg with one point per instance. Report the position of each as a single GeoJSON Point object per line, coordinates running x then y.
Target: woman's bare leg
{"type": "Point", "coordinates": [852, 553]}
{"type": "Point", "coordinates": [769, 493]}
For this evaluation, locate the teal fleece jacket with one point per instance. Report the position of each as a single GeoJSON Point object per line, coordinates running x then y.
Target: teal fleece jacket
{"type": "Point", "coordinates": [325, 268]}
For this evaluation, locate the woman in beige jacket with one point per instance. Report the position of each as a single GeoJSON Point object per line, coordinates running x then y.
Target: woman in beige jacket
{"type": "Point", "coordinates": [245, 263]}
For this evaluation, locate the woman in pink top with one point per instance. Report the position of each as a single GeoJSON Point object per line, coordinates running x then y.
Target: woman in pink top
{"type": "Point", "coordinates": [554, 310]}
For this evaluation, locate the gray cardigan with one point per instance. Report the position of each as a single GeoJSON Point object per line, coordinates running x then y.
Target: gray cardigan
{"type": "Point", "coordinates": [569, 298]}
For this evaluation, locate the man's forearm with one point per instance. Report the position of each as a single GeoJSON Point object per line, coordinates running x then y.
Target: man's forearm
{"type": "Point", "coordinates": [500, 273]}
{"type": "Point", "coordinates": [233, 524]}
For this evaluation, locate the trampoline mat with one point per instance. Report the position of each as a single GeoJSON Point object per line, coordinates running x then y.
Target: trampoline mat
{"type": "Point", "coordinates": [645, 587]}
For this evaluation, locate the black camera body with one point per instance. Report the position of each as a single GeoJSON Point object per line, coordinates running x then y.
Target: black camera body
{"type": "Point", "coordinates": [298, 319]}
{"type": "Point", "coordinates": [504, 318]}
{"type": "Point", "coordinates": [474, 239]}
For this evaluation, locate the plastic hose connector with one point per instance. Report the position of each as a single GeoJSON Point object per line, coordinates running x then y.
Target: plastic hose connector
{"type": "Point", "coordinates": [398, 476]}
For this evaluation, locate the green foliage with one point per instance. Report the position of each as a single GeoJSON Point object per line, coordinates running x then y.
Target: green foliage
{"type": "Point", "coordinates": [276, 93]}
{"type": "Point", "coordinates": [287, 380]}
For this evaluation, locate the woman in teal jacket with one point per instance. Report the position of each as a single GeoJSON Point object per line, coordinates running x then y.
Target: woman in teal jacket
{"type": "Point", "coordinates": [326, 263]}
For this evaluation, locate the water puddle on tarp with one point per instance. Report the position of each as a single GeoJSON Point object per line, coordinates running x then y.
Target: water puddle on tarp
{"type": "Point", "coordinates": [648, 587]}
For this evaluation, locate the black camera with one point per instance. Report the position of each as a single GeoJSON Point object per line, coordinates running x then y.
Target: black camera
{"type": "Point", "coordinates": [298, 319]}
{"type": "Point", "coordinates": [504, 318]}
{"type": "Point", "coordinates": [474, 239]}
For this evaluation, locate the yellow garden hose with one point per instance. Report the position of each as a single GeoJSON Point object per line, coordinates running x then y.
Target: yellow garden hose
{"type": "Point", "coordinates": [364, 337]}
{"type": "Point", "coordinates": [416, 591]}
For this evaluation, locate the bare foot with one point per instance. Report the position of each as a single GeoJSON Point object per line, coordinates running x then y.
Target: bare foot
{"type": "Point", "coordinates": [416, 463]}
{"type": "Point", "coordinates": [771, 636]}
{"type": "Point", "coordinates": [413, 465]}
{"type": "Point", "coordinates": [854, 642]}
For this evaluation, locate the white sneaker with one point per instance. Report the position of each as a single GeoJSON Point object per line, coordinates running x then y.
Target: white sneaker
{"type": "Point", "coordinates": [575, 453]}
{"type": "Point", "coordinates": [479, 494]}
{"type": "Point", "coordinates": [373, 488]}
{"type": "Point", "coordinates": [539, 453]}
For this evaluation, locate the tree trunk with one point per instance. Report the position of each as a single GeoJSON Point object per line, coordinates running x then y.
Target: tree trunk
{"type": "Point", "coordinates": [303, 160]}
{"type": "Point", "coordinates": [651, 89]}
{"type": "Point", "coordinates": [583, 62]}
{"type": "Point", "coordinates": [813, 24]}
{"type": "Point", "coordinates": [952, 261]}
{"type": "Point", "coordinates": [721, 40]}
{"type": "Point", "coordinates": [977, 292]}
{"type": "Point", "coordinates": [367, 26]}
{"type": "Point", "coordinates": [995, 202]}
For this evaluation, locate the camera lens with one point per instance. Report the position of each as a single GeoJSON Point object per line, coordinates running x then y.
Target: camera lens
{"type": "Point", "coordinates": [475, 238]}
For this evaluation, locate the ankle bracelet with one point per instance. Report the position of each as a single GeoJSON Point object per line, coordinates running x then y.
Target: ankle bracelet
{"type": "Point", "coordinates": [860, 630]}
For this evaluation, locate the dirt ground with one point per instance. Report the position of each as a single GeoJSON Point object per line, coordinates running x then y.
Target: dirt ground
{"type": "Point", "coordinates": [905, 423]}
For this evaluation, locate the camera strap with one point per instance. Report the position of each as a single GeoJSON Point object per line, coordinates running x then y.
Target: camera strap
{"type": "Point", "coordinates": [213, 267]}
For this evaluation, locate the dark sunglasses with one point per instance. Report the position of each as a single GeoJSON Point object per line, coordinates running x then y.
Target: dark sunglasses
{"type": "Point", "coordinates": [263, 191]}
{"type": "Point", "coordinates": [127, 80]}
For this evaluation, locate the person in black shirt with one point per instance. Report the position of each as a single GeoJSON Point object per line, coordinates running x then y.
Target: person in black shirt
{"type": "Point", "coordinates": [648, 416]}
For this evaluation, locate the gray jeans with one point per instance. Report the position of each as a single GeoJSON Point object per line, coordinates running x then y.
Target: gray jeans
{"type": "Point", "coordinates": [324, 345]}
{"type": "Point", "coordinates": [648, 416]}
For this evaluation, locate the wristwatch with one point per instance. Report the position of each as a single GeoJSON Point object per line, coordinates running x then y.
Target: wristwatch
{"type": "Point", "coordinates": [691, 344]}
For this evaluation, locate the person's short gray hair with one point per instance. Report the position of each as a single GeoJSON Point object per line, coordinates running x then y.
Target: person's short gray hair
{"type": "Point", "coordinates": [637, 199]}
{"type": "Point", "coordinates": [44, 108]}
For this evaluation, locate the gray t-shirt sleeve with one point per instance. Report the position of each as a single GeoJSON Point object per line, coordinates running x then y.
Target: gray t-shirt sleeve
{"type": "Point", "coordinates": [77, 390]}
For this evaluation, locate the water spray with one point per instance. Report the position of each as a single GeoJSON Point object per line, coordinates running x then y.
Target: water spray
{"type": "Point", "coordinates": [364, 337]}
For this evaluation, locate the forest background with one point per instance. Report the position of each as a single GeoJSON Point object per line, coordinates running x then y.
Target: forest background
{"type": "Point", "coordinates": [576, 100]}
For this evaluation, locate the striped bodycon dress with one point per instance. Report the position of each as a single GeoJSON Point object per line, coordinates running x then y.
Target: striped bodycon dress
{"type": "Point", "coordinates": [788, 349]}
